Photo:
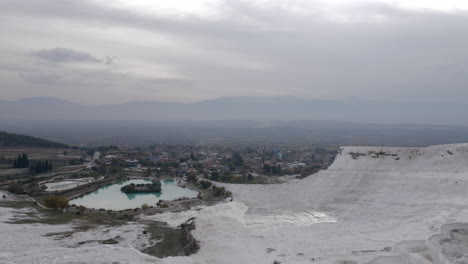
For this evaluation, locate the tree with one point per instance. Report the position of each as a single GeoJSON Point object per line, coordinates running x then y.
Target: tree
{"type": "Point", "coordinates": [25, 161]}
{"type": "Point", "coordinates": [131, 188]}
{"type": "Point", "coordinates": [22, 161]}
{"type": "Point", "coordinates": [237, 160]}
{"type": "Point", "coordinates": [81, 209]}
{"type": "Point", "coordinates": [41, 166]}
{"type": "Point", "coordinates": [215, 176]}
{"type": "Point", "coordinates": [16, 188]}
{"type": "Point", "coordinates": [55, 202]}
{"type": "Point", "coordinates": [205, 184]}
{"type": "Point", "coordinates": [192, 177]}
{"type": "Point", "coordinates": [250, 177]}
{"type": "Point", "coordinates": [266, 168]}
{"type": "Point", "coordinates": [276, 170]}
{"type": "Point", "coordinates": [218, 191]}
{"type": "Point", "coordinates": [18, 161]}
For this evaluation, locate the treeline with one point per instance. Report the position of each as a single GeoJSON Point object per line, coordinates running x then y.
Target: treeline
{"type": "Point", "coordinates": [216, 191]}
{"type": "Point", "coordinates": [13, 140]}
{"type": "Point", "coordinates": [229, 177]}
{"type": "Point", "coordinates": [41, 166]}
{"type": "Point", "coordinates": [37, 167]}
{"type": "Point", "coordinates": [272, 169]}
{"type": "Point", "coordinates": [21, 162]}
{"type": "Point", "coordinates": [155, 186]}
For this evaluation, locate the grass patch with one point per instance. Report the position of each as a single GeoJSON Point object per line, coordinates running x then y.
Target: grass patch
{"type": "Point", "coordinates": [18, 204]}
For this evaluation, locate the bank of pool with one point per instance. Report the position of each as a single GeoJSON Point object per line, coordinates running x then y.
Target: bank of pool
{"type": "Point", "coordinates": [110, 197]}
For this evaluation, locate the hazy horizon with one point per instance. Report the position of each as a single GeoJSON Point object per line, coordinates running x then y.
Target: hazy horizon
{"type": "Point", "coordinates": [270, 108]}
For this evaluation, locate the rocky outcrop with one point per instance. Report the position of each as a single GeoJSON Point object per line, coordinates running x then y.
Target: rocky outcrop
{"type": "Point", "coordinates": [191, 245]}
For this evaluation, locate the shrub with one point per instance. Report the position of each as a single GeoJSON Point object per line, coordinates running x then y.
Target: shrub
{"type": "Point", "coordinates": [55, 202]}
{"type": "Point", "coordinates": [205, 184]}
{"type": "Point", "coordinates": [219, 191]}
{"type": "Point", "coordinates": [16, 188]}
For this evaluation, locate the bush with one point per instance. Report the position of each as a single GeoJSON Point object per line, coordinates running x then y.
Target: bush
{"type": "Point", "coordinates": [250, 177]}
{"type": "Point", "coordinates": [205, 184]}
{"type": "Point", "coordinates": [81, 209]}
{"type": "Point", "coordinates": [219, 191]}
{"type": "Point", "coordinates": [55, 202]}
{"type": "Point", "coordinates": [192, 177]}
{"type": "Point", "coordinates": [16, 188]}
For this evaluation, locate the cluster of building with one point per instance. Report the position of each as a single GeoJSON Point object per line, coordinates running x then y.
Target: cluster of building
{"type": "Point", "coordinates": [203, 160]}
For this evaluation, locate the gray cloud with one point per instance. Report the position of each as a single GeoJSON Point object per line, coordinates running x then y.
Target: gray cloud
{"type": "Point", "coordinates": [64, 55]}
{"type": "Point", "coordinates": [40, 79]}
{"type": "Point", "coordinates": [371, 51]}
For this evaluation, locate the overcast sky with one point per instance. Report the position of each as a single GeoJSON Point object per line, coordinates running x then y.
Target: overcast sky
{"type": "Point", "coordinates": [114, 51]}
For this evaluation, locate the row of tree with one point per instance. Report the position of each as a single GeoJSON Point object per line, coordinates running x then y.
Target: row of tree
{"type": "Point", "coordinates": [229, 177]}
{"type": "Point", "coordinates": [272, 170]}
{"type": "Point", "coordinates": [41, 166]}
{"type": "Point", "coordinates": [38, 167]}
{"type": "Point", "coordinates": [21, 162]}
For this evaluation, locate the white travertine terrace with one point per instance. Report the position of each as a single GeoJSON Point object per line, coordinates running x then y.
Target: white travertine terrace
{"type": "Point", "coordinates": [373, 205]}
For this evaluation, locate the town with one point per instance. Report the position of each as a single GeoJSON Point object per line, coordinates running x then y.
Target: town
{"type": "Point", "coordinates": [262, 164]}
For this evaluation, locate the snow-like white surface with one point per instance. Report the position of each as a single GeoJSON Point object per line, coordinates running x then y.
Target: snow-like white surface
{"type": "Point", "coordinates": [65, 185]}
{"type": "Point", "coordinates": [382, 204]}
{"type": "Point", "coordinates": [32, 243]}
{"type": "Point", "coordinates": [440, 158]}
{"type": "Point", "coordinates": [373, 205]}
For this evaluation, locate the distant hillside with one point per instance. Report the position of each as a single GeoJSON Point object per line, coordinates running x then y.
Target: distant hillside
{"type": "Point", "coordinates": [241, 108]}
{"type": "Point", "coordinates": [15, 140]}
{"type": "Point", "coordinates": [322, 133]}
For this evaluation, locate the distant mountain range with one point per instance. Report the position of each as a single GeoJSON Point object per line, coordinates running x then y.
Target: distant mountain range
{"type": "Point", "coordinates": [16, 140]}
{"type": "Point", "coordinates": [239, 120]}
{"type": "Point", "coordinates": [240, 108]}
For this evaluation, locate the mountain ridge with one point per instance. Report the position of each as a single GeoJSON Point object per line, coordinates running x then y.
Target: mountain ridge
{"type": "Point", "coordinates": [241, 108]}
{"type": "Point", "coordinates": [18, 140]}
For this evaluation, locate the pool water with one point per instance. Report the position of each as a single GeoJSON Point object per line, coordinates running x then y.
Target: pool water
{"type": "Point", "coordinates": [110, 197]}
{"type": "Point", "coordinates": [64, 186]}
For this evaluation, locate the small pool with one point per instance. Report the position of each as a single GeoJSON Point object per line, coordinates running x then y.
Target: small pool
{"type": "Point", "coordinates": [64, 186]}
{"type": "Point", "coordinates": [110, 197]}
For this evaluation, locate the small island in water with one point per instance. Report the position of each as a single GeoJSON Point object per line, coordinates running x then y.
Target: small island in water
{"type": "Point", "coordinates": [154, 186]}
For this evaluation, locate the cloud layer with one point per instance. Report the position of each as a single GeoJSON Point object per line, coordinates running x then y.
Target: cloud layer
{"type": "Point", "coordinates": [92, 52]}
{"type": "Point", "coordinates": [64, 55]}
